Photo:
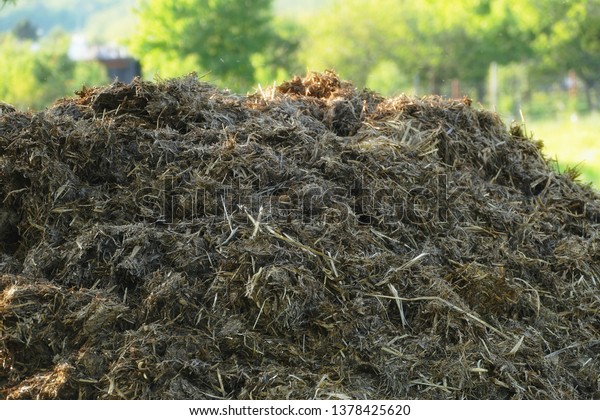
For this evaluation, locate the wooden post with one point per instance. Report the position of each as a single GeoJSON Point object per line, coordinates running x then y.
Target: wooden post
{"type": "Point", "coordinates": [493, 85]}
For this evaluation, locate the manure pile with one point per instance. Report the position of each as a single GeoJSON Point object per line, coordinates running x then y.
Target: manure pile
{"type": "Point", "coordinates": [172, 240]}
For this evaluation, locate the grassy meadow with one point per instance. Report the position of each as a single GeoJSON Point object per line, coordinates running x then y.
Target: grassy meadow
{"type": "Point", "coordinates": [572, 141]}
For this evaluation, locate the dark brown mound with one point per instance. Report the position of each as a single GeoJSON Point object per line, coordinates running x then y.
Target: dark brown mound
{"type": "Point", "coordinates": [172, 240]}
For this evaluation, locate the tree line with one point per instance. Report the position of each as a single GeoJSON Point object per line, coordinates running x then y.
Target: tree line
{"type": "Point", "coordinates": [429, 46]}
{"type": "Point", "coordinates": [387, 44]}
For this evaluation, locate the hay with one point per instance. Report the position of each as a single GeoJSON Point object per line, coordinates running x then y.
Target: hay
{"type": "Point", "coordinates": [172, 240]}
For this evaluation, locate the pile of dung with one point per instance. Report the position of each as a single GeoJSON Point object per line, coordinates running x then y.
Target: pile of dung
{"type": "Point", "coordinates": [174, 241]}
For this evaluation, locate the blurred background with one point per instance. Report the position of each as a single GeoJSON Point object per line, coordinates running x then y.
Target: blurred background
{"type": "Point", "coordinates": [536, 61]}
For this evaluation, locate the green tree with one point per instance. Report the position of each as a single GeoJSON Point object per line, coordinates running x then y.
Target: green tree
{"type": "Point", "coordinates": [17, 84]}
{"type": "Point", "coordinates": [24, 29]}
{"type": "Point", "coordinates": [220, 37]}
{"type": "Point", "coordinates": [570, 40]}
{"type": "Point", "coordinates": [34, 78]}
{"type": "Point", "coordinates": [470, 35]}
{"type": "Point", "coordinates": [432, 40]}
{"type": "Point", "coordinates": [354, 36]}
{"type": "Point", "coordinates": [281, 60]}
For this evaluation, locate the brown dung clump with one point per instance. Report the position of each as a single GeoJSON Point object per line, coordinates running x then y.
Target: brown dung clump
{"type": "Point", "coordinates": [172, 240]}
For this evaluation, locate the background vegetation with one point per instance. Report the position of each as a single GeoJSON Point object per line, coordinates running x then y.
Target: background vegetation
{"type": "Point", "coordinates": [538, 58]}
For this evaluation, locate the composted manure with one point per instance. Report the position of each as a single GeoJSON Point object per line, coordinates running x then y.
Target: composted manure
{"type": "Point", "coordinates": [172, 240]}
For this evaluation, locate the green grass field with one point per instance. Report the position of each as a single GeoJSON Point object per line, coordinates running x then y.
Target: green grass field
{"type": "Point", "coordinates": [572, 142]}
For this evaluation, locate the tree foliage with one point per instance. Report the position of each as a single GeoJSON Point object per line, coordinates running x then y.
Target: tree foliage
{"type": "Point", "coordinates": [24, 29]}
{"type": "Point", "coordinates": [221, 37]}
{"type": "Point", "coordinates": [35, 76]}
{"type": "Point", "coordinates": [388, 45]}
{"type": "Point", "coordinates": [572, 39]}
{"type": "Point", "coordinates": [432, 41]}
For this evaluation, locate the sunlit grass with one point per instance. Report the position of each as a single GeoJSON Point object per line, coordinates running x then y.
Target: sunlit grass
{"type": "Point", "coordinates": [572, 141]}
